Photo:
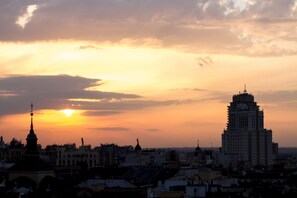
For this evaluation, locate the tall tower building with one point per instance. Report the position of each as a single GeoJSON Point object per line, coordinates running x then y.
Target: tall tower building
{"type": "Point", "coordinates": [245, 139]}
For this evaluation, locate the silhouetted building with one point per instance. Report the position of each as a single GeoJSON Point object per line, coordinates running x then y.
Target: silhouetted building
{"type": "Point", "coordinates": [137, 147]}
{"type": "Point", "coordinates": [245, 139]}
{"type": "Point", "coordinates": [112, 155]}
{"type": "Point", "coordinates": [69, 155]}
{"type": "Point", "coordinates": [12, 152]}
{"type": "Point", "coordinates": [31, 166]}
{"type": "Point", "coordinates": [275, 148]}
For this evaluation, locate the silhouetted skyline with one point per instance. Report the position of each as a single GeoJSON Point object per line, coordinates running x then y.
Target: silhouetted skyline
{"type": "Point", "coordinates": [161, 71]}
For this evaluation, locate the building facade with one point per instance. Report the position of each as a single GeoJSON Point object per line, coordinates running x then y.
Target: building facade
{"type": "Point", "coordinates": [69, 155]}
{"type": "Point", "coordinates": [246, 140]}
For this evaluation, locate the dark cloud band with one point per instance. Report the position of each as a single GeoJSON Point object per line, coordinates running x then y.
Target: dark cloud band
{"type": "Point", "coordinates": [63, 91]}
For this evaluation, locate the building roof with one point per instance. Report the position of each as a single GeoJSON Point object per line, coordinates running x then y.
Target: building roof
{"type": "Point", "coordinates": [31, 164]}
{"type": "Point", "coordinates": [108, 183]}
{"type": "Point", "coordinates": [137, 147]}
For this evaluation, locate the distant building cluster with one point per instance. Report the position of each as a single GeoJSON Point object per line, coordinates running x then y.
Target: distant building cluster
{"type": "Point", "coordinates": [247, 165]}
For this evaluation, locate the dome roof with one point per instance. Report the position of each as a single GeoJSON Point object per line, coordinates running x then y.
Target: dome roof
{"type": "Point", "coordinates": [137, 147]}
{"type": "Point", "coordinates": [31, 136]}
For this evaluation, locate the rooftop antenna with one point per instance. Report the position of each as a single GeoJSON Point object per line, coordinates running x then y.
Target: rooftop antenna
{"type": "Point", "coordinates": [244, 88]}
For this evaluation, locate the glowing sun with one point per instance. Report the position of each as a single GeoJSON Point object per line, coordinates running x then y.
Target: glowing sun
{"type": "Point", "coordinates": [67, 112]}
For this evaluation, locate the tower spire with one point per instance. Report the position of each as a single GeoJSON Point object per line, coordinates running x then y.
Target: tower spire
{"type": "Point", "coordinates": [244, 88]}
{"type": "Point", "coordinates": [31, 149]}
{"type": "Point", "coordinates": [31, 129]}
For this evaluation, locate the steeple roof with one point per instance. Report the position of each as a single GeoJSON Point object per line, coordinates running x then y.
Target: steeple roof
{"type": "Point", "coordinates": [137, 147]}
{"type": "Point", "coordinates": [31, 149]}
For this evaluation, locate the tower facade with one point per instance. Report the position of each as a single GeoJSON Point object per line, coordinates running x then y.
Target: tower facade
{"type": "Point", "coordinates": [245, 139]}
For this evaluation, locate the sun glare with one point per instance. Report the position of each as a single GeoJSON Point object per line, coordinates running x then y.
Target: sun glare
{"type": "Point", "coordinates": [67, 112]}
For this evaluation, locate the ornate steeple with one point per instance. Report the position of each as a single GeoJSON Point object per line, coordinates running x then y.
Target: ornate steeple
{"type": "Point", "coordinates": [31, 149]}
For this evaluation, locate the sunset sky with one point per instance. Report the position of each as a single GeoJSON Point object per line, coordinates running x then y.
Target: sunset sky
{"type": "Point", "coordinates": [163, 71]}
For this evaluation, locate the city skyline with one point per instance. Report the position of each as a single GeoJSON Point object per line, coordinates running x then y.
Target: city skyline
{"type": "Point", "coordinates": [112, 71]}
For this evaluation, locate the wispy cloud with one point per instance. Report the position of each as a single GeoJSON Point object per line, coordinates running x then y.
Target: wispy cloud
{"type": "Point", "coordinates": [82, 47]}
{"type": "Point", "coordinates": [278, 96]}
{"type": "Point", "coordinates": [111, 129]}
{"type": "Point", "coordinates": [101, 113]}
{"type": "Point", "coordinates": [27, 16]}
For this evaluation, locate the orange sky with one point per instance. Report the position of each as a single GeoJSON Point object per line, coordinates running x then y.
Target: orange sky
{"type": "Point", "coordinates": [160, 71]}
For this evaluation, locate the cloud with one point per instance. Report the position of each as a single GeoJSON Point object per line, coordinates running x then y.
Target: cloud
{"type": "Point", "coordinates": [125, 105]}
{"type": "Point", "coordinates": [69, 92]}
{"type": "Point", "coordinates": [100, 113]}
{"type": "Point", "coordinates": [283, 98]}
{"type": "Point", "coordinates": [82, 47]}
{"type": "Point", "coordinates": [207, 94]}
{"type": "Point", "coordinates": [249, 28]}
{"type": "Point", "coordinates": [50, 92]}
{"type": "Point", "coordinates": [199, 90]}
{"type": "Point", "coordinates": [278, 96]}
{"type": "Point", "coordinates": [116, 129]}
{"type": "Point", "coordinates": [27, 16]}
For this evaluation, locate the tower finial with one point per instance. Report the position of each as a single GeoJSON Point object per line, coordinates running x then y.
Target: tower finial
{"type": "Point", "coordinates": [244, 88]}
{"type": "Point", "coordinates": [31, 109]}
{"type": "Point", "coordinates": [198, 143]}
{"type": "Point", "coordinates": [137, 140]}
{"type": "Point", "coordinates": [31, 116]}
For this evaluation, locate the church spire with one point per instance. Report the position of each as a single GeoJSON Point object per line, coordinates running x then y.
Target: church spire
{"type": "Point", "coordinates": [31, 149]}
{"type": "Point", "coordinates": [31, 129]}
